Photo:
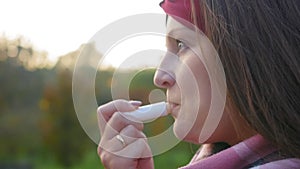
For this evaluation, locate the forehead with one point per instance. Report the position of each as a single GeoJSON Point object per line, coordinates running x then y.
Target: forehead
{"type": "Point", "coordinates": [174, 26]}
{"type": "Point", "coordinates": [179, 23]}
{"type": "Point", "coordinates": [180, 31]}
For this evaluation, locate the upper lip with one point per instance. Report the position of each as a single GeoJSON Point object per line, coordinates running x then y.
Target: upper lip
{"type": "Point", "coordinates": [172, 104]}
{"type": "Point", "coordinates": [171, 101]}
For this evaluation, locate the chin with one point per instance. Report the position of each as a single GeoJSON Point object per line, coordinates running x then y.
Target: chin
{"type": "Point", "coordinates": [183, 133]}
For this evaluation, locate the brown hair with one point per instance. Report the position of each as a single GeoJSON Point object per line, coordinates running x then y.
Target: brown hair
{"type": "Point", "coordinates": [258, 42]}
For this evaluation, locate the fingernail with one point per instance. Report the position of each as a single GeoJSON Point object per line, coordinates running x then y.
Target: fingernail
{"type": "Point", "coordinates": [135, 102]}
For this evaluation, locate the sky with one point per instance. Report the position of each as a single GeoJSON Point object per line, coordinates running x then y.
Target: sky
{"type": "Point", "coordinates": [61, 26]}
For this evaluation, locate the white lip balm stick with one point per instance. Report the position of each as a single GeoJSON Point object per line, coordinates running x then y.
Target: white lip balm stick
{"type": "Point", "coordinates": [149, 112]}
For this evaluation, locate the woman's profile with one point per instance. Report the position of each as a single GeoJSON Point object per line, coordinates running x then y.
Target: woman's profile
{"type": "Point", "coordinates": [258, 44]}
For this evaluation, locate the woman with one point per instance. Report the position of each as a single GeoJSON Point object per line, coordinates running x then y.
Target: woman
{"type": "Point", "coordinates": [258, 44]}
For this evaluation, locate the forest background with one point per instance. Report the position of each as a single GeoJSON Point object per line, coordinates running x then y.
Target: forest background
{"type": "Point", "coordinates": [38, 124]}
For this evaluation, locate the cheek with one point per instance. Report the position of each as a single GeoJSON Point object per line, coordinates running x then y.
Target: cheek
{"type": "Point", "coordinates": [194, 109]}
{"type": "Point", "coordinates": [203, 83]}
{"type": "Point", "coordinates": [186, 122]}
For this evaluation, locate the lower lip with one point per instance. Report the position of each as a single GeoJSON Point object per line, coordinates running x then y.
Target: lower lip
{"type": "Point", "coordinates": [173, 109]}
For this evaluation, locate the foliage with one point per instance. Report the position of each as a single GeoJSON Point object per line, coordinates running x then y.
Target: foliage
{"type": "Point", "coordinates": [61, 131]}
{"type": "Point", "coordinates": [19, 97]}
{"type": "Point", "coordinates": [20, 52]}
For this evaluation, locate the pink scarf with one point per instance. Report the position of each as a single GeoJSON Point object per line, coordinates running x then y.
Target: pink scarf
{"type": "Point", "coordinates": [242, 155]}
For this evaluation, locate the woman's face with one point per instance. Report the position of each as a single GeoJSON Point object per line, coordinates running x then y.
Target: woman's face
{"type": "Point", "coordinates": [184, 75]}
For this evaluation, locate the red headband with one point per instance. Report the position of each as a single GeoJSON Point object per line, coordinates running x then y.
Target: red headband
{"type": "Point", "coordinates": [183, 9]}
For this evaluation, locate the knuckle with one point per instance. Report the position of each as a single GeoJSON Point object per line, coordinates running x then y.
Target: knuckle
{"type": "Point", "coordinates": [99, 112]}
{"type": "Point", "coordinates": [141, 142]}
{"type": "Point", "coordinates": [104, 159]}
{"type": "Point", "coordinates": [133, 129]}
{"type": "Point", "coordinates": [109, 160]}
{"type": "Point", "coordinates": [99, 150]}
{"type": "Point", "coordinates": [130, 131]}
{"type": "Point", "coordinates": [130, 128]}
{"type": "Point", "coordinates": [116, 116]}
{"type": "Point", "coordinates": [138, 126]}
{"type": "Point", "coordinates": [119, 102]}
{"type": "Point", "coordinates": [110, 106]}
{"type": "Point", "coordinates": [99, 109]}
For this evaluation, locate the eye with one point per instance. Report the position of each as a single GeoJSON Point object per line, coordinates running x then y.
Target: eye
{"type": "Point", "coordinates": [180, 45]}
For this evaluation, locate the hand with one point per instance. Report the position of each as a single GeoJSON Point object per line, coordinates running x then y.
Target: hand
{"type": "Point", "coordinates": [122, 144]}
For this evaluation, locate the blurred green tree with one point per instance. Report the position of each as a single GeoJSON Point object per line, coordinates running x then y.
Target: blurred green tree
{"type": "Point", "coordinates": [62, 133]}
{"type": "Point", "coordinates": [21, 89]}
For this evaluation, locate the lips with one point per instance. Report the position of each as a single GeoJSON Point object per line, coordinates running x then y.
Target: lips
{"type": "Point", "coordinates": [173, 108]}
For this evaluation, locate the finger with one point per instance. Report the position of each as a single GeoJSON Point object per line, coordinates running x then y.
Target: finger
{"type": "Point", "coordinates": [136, 150]}
{"type": "Point", "coordinates": [135, 155]}
{"type": "Point", "coordinates": [105, 112]}
{"type": "Point", "coordinates": [128, 135]}
{"type": "Point", "coordinates": [112, 161]}
{"type": "Point", "coordinates": [139, 152]}
{"type": "Point", "coordinates": [117, 123]}
{"type": "Point", "coordinates": [117, 162]}
{"type": "Point", "coordinates": [118, 105]}
{"type": "Point", "coordinates": [120, 159]}
{"type": "Point", "coordinates": [145, 163]}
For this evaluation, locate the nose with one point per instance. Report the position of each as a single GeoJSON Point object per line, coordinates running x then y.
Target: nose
{"type": "Point", "coordinates": [163, 79]}
{"type": "Point", "coordinates": [164, 76]}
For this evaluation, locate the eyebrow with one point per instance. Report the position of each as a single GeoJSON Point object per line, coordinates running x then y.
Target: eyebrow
{"type": "Point", "coordinates": [175, 30]}
{"type": "Point", "coordinates": [172, 34]}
